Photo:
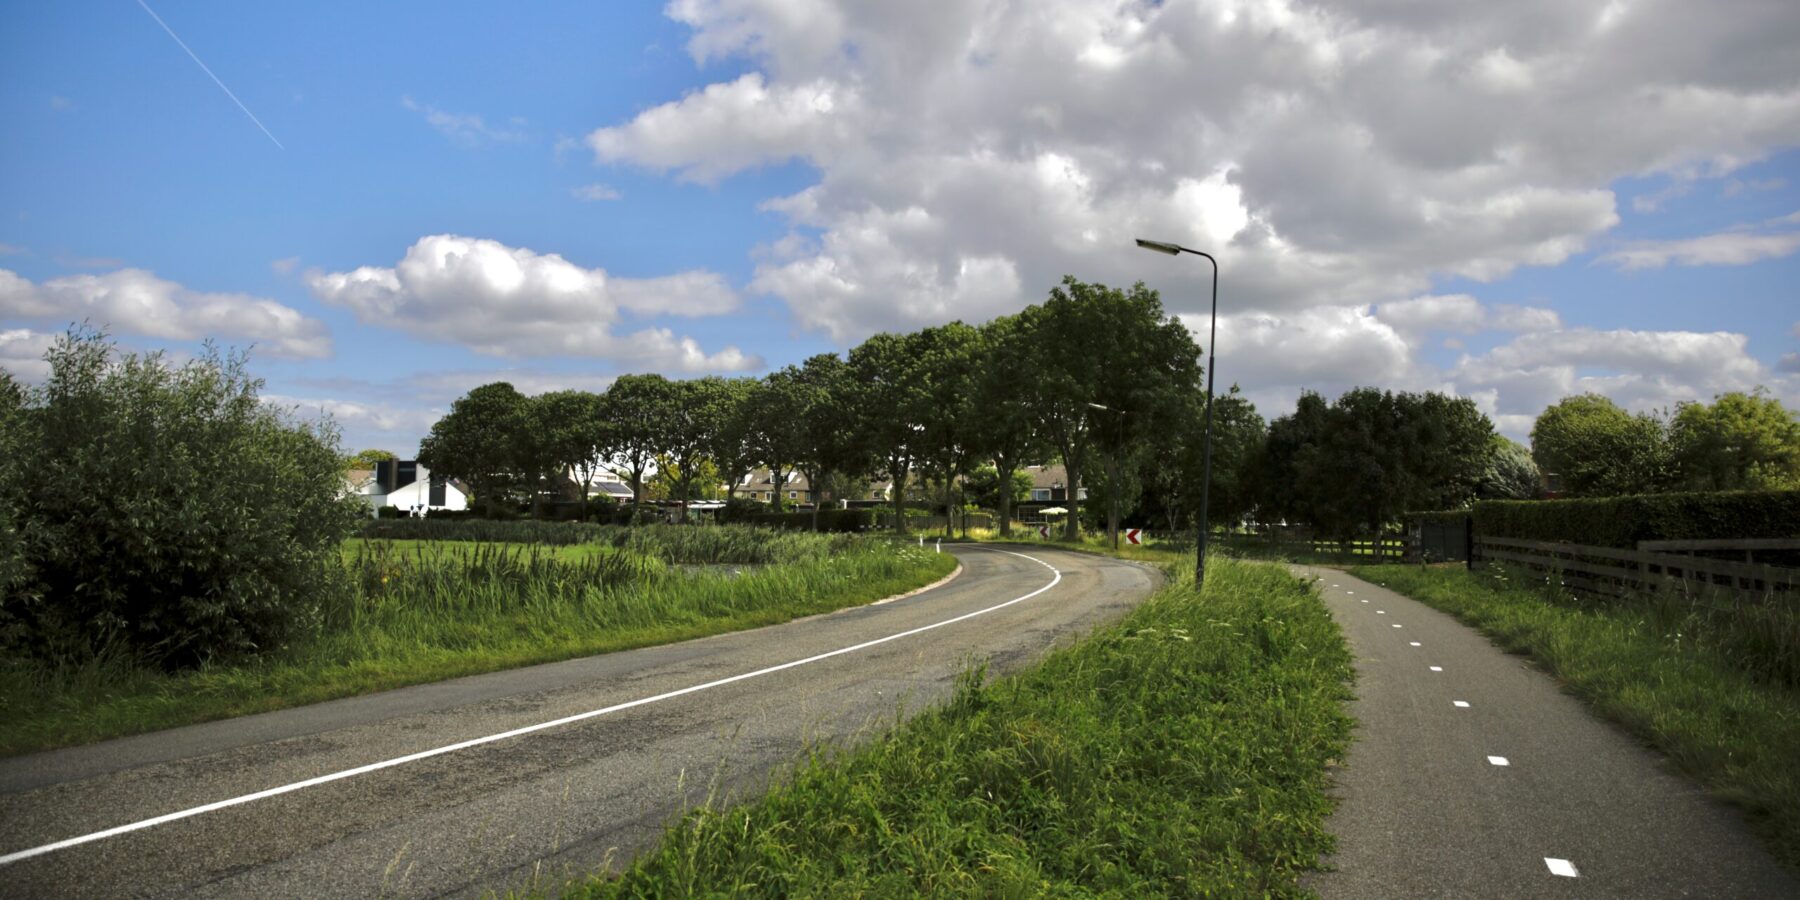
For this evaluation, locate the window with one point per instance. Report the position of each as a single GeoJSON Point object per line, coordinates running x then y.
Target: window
{"type": "Point", "coordinates": [793, 495]}
{"type": "Point", "coordinates": [1040, 493]}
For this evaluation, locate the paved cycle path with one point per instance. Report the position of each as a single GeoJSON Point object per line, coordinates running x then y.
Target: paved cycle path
{"type": "Point", "coordinates": [1473, 775]}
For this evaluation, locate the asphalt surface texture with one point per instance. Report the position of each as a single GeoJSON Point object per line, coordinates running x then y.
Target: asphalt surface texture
{"type": "Point", "coordinates": [530, 810]}
{"type": "Point", "coordinates": [1428, 809]}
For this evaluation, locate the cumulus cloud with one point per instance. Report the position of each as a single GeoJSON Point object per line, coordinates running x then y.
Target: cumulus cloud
{"type": "Point", "coordinates": [1463, 314]}
{"type": "Point", "coordinates": [970, 153]}
{"type": "Point", "coordinates": [511, 301]}
{"type": "Point", "coordinates": [1727, 248]}
{"type": "Point", "coordinates": [137, 302]}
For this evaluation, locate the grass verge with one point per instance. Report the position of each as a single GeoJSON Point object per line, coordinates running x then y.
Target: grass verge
{"type": "Point", "coordinates": [418, 613]}
{"type": "Point", "coordinates": [1182, 751]}
{"type": "Point", "coordinates": [1647, 669]}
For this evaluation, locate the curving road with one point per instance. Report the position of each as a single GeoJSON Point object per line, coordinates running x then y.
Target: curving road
{"type": "Point", "coordinates": [500, 780]}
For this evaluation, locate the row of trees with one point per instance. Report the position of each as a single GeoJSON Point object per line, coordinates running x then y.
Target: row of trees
{"type": "Point", "coordinates": [1738, 442]}
{"type": "Point", "coordinates": [1091, 376]}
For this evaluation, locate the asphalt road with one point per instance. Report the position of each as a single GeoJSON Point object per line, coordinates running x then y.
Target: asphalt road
{"type": "Point", "coordinates": [1429, 810]}
{"type": "Point", "coordinates": [532, 807]}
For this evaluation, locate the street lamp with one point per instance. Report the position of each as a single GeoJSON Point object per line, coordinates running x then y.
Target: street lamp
{"type": "Point", "coordinates": [1206, 456]}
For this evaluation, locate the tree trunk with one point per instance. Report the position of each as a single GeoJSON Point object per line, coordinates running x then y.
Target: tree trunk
{"type": "Point", "coordinates": [1005, 503]}
{"type": "Point", "coordinates": [1112, 499]}
{"type": "Point", "coordinates": [897, 478]}
{"type": "Point", "coordinates": [1072, 528]}
{"type": "Point", "coordinates": [812, 487]}
{"type": "Point", "coordinates": [637, 494]}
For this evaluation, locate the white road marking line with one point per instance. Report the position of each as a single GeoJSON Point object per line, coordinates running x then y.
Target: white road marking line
{"type": "Point", "coordinates": [1365, 601]}
{"type": "Point", "coordinates": [178, 815]}
{"type": "Point", "coordinates": [1350, 592]}
{"type": "Point", "coordinates": [1460, 704]}
{"type": "Point", "coordinates": [1437, 668]}
{"type": "Point", "coordinates": [1414, 643]}
{"type": "Point", "coordinates": [1561, 867]}
{"type": "Point", "coordinates": [1381, 612]}
{"type": "Point", "coordinates": [1398, 625]}
{"type": "Point", "coordinates": [1499, 761]}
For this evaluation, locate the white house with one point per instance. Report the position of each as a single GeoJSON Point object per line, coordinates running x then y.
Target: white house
{"type": "Point", "coordinates": [410, 487]}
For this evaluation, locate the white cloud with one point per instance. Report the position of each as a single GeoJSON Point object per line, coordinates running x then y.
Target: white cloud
{"type": "Point", "coordinates": [138, 302]}
{"type": "Point", "coordinates": [593, 193]}
{"type": "Point", "coordinates": [22, 353]}
{"type": "Point", "coordinates": [464, 128]}
{"type": "Point", "coordinates": [975, 151]}
{"type": "Point", "coordinates": [1463, 314]}
{"type": "Point", "coordinates": [510, 301]}
{"type": "Point", "coordinates": [1727, 248]}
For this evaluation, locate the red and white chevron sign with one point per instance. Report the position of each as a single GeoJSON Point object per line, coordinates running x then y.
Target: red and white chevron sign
{"type": "Point", "coordinates": [1133, 535]}
{"type": "Point", "coordinates": [1044, 532]}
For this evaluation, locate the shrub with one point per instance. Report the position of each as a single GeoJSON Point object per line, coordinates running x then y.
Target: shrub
{"type": "Point", "coordinates": [842, 521]}
{"type": "Point", "coordinates": [1623, 521]}
{"type": "Point", "coordinates": [388, 512]}
{"type": "Point", "coordinates": [166, 511]}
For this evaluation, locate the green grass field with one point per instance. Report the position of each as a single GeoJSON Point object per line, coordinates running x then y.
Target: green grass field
{"type": "Point", "coordinates": [412, 612]}
{"type": "Point", "coordinates": [1710, 688]}
{"type": "Point", "coordinates": [1181, 752]}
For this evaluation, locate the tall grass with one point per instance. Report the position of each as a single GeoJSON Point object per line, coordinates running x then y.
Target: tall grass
{"type": "Point", "coordinates": [1180, 752]}
{"type": "Point", "coordinates": [428, 612]}
{"type": "Point", "coordinates": [671, 543]}
{"type": "Point", "coordinates": [1706, 686]}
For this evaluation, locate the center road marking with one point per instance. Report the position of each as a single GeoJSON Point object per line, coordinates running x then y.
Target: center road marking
{"type": "Point", "coordinates": [1498, 761]}
{"type": "Point", "coordinates": [178, 815]}
{"type": "Point", "coordinates": [1561, 867]}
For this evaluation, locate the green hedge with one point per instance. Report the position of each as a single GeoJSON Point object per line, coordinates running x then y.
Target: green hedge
{"type": "Point", "coordinates": [1437, 517]}
{"type": "Point", "coordinates": [833, 520]}
{"type": "Point", "coordinates": [1623, 521]}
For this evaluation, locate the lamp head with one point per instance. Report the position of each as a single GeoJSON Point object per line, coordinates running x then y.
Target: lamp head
{"type": "Point", "coordinates": [1159, 246]}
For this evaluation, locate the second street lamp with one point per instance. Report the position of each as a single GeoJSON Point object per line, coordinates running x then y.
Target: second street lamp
{"type": "Point", "coordinates": [1206, 456]}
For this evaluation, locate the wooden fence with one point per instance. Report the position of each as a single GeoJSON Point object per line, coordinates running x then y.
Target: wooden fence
{"type": "Point", "coordinates": [1611, 570]}
{"type": "Point", "coordinates": [1394, 547]}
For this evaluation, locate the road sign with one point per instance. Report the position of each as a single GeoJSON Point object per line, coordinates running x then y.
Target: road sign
{"type": "Point", "coordinates": [1133, 535]}
{"type": "Point", "coordinates": [1044, 532]}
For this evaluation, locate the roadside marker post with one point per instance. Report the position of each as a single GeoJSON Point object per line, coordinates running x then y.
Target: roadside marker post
{"type": "Point", "coordinates": [1133, 535]}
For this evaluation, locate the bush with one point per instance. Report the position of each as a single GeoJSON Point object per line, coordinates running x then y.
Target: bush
{"type": "Point", "coordinates": [166, 511]}
{"type": "Point", "coordinates": [1623, 521]}
{"type": "Point", "coordinates": [388, 512]}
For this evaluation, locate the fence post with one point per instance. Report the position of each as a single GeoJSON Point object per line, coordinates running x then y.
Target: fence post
{"type": "Point", "coordinates": [1469, 542]}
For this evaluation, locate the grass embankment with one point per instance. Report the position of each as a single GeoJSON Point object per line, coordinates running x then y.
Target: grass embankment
{"type": "Point", "coordinates": [1714, 687]}
{"type": "Point", "coordinates": [427, 612]}
{"type": "Point", "coordinates": [1182, 751]}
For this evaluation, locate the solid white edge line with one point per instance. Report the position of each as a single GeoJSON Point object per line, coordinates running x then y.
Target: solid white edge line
{"type": "Point", "coordinates": [154, 821]}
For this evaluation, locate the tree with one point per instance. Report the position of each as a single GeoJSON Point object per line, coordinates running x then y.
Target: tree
{"type": "Point", "coordinates": [948, 434]}
{"type": "Point", "coordinates": [162, 510]}
{"type": "Point", "coordinates": [366, 459]}
{"type": "Point", "coordinates": [1006, 425]}
{"type": "Point", "coordinates": [571, 432]}
{"type": "Point", "coordinates": [731, 448]}
{"type": "Point", "coordinates": [480, 441]}
{"type": "Point", "coordinates": [990, 491]}
{"type": "Point", "coordinates": [1174, 470]}
{"type": "Point", "coordinates": [888, 396]}
{"type": "Point", "coordinates": [825, 445]}
{"type": "Point", "coordinates": [777, 430]}
{"type": "Point", "coordinates": [1509, 472]}
{"type": "Point", "coordinates": [633, 409]}
{"type": "Point", "coordinates": [698, 409]}
{"type": "Point", "coordinates": [1600, 450]}
{"type": "Point", "coordinates": [1738, 442]}
{"type": "Point", "coordinates": [1112, 367]}
{"type": "Point", "coordinates": [1280, 493]}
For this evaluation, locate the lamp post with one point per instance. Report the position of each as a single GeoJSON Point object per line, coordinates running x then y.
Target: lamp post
{"type": "Point", "coordinates": [1206, 455]}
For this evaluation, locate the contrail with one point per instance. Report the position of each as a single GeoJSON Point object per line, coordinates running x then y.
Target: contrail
{"type": "Point", "coordinates": [209, 72]}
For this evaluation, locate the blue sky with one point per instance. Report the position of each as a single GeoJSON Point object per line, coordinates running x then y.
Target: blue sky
{"type": "Point", "coordinates": [1505, 204]}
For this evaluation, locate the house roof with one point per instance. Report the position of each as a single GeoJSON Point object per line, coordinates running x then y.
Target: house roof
{"type": "Point", "coordinates": [1048, 477]}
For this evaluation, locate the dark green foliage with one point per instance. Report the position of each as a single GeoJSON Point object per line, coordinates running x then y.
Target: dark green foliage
{"type": "Point", "coordinates": [1623, 521]}
{"type": "Point", "coordinates": [1182, 752]}
{"type": "Point", "coordinates": [1738, 442]}
{"type": "Point", "coordinates": [490, 441]}
{"type": "Point", "coordinates": [162, 510]}
{"type": "Point", "coordinates": [984, 487]}
{"type": "Point", "coordinates": [1596, 449]}
{"type": "Point", "coordinates": [671, 543]}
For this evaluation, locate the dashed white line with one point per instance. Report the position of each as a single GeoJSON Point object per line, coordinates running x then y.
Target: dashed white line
{"type": "Point", "coordinates": [1498, 761]}
{"type": "Point", "coordinates": [1437, 668]}
{"type": "Point", "coordinates": [154, 821]}
{"type": "Point", "coordinates": [1460, 704]}
{"type": "Point", "coordinates": [1562, 867]}
{"type": "Point", "coordinates": [1414, 643]}
{"type": "Point", "coordinates": [1398, 625]}
{"type": "Point", "coordinates": [1381, 612]}
{"type": "Point", "coordinates": [1365, 601]}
